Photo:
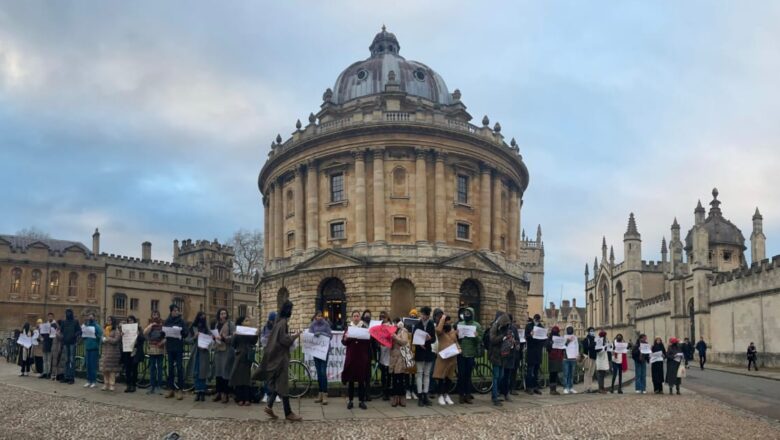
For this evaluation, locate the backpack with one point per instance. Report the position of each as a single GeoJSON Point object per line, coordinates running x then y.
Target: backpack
{"type": "Point", "coordinates": [507, 345]}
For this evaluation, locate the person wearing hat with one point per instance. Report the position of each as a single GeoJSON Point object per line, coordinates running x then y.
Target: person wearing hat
{"type": "Point", "coordinates": [533, 356]}
{"type": "Point", "coordinates": [411, 392]}
{"type": "Point", "coordinates": [589, 364]}
{"type": "Point", "coordinates": [674, 357]}
{"type": "Point", "coordinates": [174, 348]}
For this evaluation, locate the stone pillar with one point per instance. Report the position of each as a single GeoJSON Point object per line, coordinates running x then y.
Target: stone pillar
{"type": "Point", "coordinates": [484, 208]}
{"type": "Point", "coordinates": [514, 214]}
{"type": "Point", "coordinates": [441, 198]}
{"type": "Point", "coordinates": [497, 214]}
{"type": "Point", "coordinates": [421, 198]}
{"type": "Point", "coordinates": [299, 211]}
{"type": "Point", "coordinates": [379, 195]}
{"type": "Point", "coordinates": [312, 206]}
{"type": "Point", "coordinates": [360, 197]}
{"type": "Point", "coordinates": [266, 231]}
{"type": "Point", "coordinates": [271, 236]}
{"type": "Point", "coordinates": [278, 238]}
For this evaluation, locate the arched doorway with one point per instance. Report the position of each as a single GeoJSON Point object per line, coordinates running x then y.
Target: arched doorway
{"type": "Point", "coordinates": [471, 296]}
{"type": "Point", "coordinates": [619, 302]}
{"type": "Point", "coordinates": [281, 296]}
{"type": "Point", "coordinates": [332, 301]}
{"type": "Point", "coordinates": [511, 305]}
{"type": "Point", "coordinates": [693, 320]}
{"type": "Point", "coordinates": [401, 298]}
{"type": "Point", "coordinates": [605, 303]}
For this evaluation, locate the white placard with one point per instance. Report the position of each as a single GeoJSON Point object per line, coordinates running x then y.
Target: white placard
{"type": "Point", "coordinates": [87, 331]}
{"type": "Point", "coordinates": [559, 342]}
{"type": "Point", "coordinates": [172, 332]}
{"type": "Point", "coordinates": [129, 335]}
{"type": "Point", "coordinates": [315, 346]}
{"type": "Point", "coordinates": [35, 337]}
{"type": "Point", "coordinates": [215, 333]}
{"type": "Point", "coordinates": [336, 357]}
{"type": "Point", "coordinates": [355, 332]}
{"type": "Point", "coordinates": [420, 337]}
{"type": "Point", "coordinates": [656, 356]}
{"type": "Point", "coordinates": [466, 331]}
{"type": "Point", "coordinates": [621, 347]}
{"type": "Point", "coordinates": [599, 344]}
{"type": "Point", "coordinates": [45, 328]}
{"type": "Point", "coordinates": [374, 323]}
{"type": "Point", "coordinates": [246, 331]}
{"type": "Point", "coordinates": [452, 350]}
{"type": "Point", "coordinates": [522, 337]}
{"type": "Point", "coordinates": [25, 341]}
{"type": "Point", "coordinates": [540, 333]}
{"type": "Point", "coordinates": [644, 348]}
{"type": "Point", "coordinates": [572, 347]}
{"type": "Point", "coordinates": [204, 340]}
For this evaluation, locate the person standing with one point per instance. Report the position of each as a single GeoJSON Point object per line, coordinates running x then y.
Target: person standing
{"type": "Point", "coordinates": [752, 356]}
{"type": "Point", "coordinates": [657, 367]}
{"type": "Point", "coordinates": [384, 358]}
{"type": "Point", "coordinates": [554, 360]}
{"type": "Point", "coordinates": [445, 368]}
{"type": "Point", "coordinates": [424, 356]}
{"type": "Point", "coordinates": [71, 331]}
{"type": "Point", "coordinates": [687, 351]}
{"type": "Point", "coordinates": [275, 363]}
{"type": "Point", "coordinates": [357, 362]}
{"type": "Point", "coordinates": [320, 328]}
{"type": "Point", "coordinates": [111, 355]}
{"type": "Point", "coordinates": [92, 351]}
{"type": "Point", "coordinates": [589, 364]}
{"type": "Point", "coordinates": [674, 359]}
{"type": "Point", "coordinates": [174, 346]}
{"type": "Point", "coordinates": [533, 356]}
{"type": "Point", "coordinates": [241, 371]}
{"type": "Point", "coordinates": [25, 357]}
{"type": "Point", "coordinates": [701, 347]}
{"type": "Point", "coordinates": [619, 365]}
{"type": "Point", "coordinates": [56, 371]}
{"type": "Point", "coordinates": [640, 365]}
{"type": "Point", "coordinates": [131, 359]}
{"type": "Point", "coordinates": [154, 334]}
{"type": "Point", "coordinates": [398, 368]}
{"type": "Point", "coordinates": [469, 349]}
{"type": "Point", "coordinates": [47, 342]}
{"type": "Point", "coordinates": [570, 362]}
{"type": "Point", "coordinates": [223, 354]}
{"type": "Point", "coordinates": [201, 365]}
{"type": "Point", "coordinates": [264, 334]}
{"type": "Point", "coordinates": [602, 360]}
{"type": "Point", "coordinates": [511, 361]}
{"type": "Point", "coordinates": [501, 342]}
{"type": "Point", "coordinates": [37, 348]}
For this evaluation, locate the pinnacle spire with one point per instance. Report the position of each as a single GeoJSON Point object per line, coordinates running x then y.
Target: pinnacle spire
{"type": "Point", "coordinates": [757, 215]}
{"type": "Point", "coordinates": [603, 242]}
{"type": "Point", "coordinates": [675, 225]}
{"type": "Point", "coordinates": [699, 208]}
{"type": "Point", "coordinates": [586, 270]}
{"type": "Point", "coordinates": [715, 203]}
{"type": "Point", "coordinates": [611, 254]}
{"type": "Point", "coordinates": [663, 245]}
{"type": "Point", "coordinates": [631, 225]}
{"type": "Point", "coordinates": [539, 232]}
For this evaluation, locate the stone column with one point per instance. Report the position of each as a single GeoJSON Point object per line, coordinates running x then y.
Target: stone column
{"type": "Point", "coordinates": [312, 206]}
{"type": "Point", "coordinates": [360, 197]}
{"type": "Point", "coordinates": [266, 240]}
{"type": "Point", "coordinates": [300, 234]}
{"type": "Point", "coordinates": [484, 208]}
{"type": "Point", "coordinates": [441, 198]}
{"type": "Point", "coordinates": [421, 198]}
{"type": "Point", "coordinates": [497, 214]}
{"type": "Point", "coordinates": [379, 195]}
{"type": "Point", "coordinates": [271, 221]}
{"type": "Point", "coordinates": [514, 214]}
{"type": "Point", "coordinates": [278, 220]}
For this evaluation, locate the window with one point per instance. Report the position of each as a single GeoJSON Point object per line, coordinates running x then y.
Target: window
{"type": "Point", "coordinates": [155, 305]}
{"type": "Point", "coordinates": [132, 274]}
{"type": "Point", "coordinates": [133, 303]}
{"type": "Point", "coordinates": [16, 280]}
{"type": "Point", "coordinates": [337, 231]}
{"type": "Point", "coordinates": [91, 285]}
{"type": "Point", "coordinates": [73, 284]}
{"type": "Point", "coordinates": [463, 231]}
{"type": "Point", "coordinates": [141, 275]}
{"type": "Point", "coordinates": [187, 281]}
{"type": "Point", "coordinates": [199, 282]}
{"type": "Point", "coordinates": [726, 256]}
{"type": "Point", "coordinates": [165, 278]}
{"type": "Point", "coordinates": [54, 283]}
{"type": "Point", "coordinates": [463, 189]}
{"type": "Point", "coordinates": [399, 182]}
{"type": "Point", "coordinates": [180, 304]}
{"type": "Point", "coordinates": [290, 240]}
{"type": "Point", "coordinates": [248, 289]}
{"type": "Point", "coordinates": [337, 187]}
{"type": "Point", "coordinates": [155, 276]}
{"type": "Point", "coordinates": [290, 203]}
{"type": "Point", "coordinates": [35, 284]}
{"type": "Point", "coordinates": [120, 304]}
{"type": "Point", "coordinates": [400, 225]}
{"type": "Point", "coordinates": [118, 273]}
{"type": "Point", "coordinates": [503, 242]}
{"type": "Point", "coordinates": [236, 288]}
{"type": "Point", "coordinates": [242, 310]}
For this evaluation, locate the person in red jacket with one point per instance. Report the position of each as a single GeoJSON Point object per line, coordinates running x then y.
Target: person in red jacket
{"type": "Point", "coordinates": [554, 360]}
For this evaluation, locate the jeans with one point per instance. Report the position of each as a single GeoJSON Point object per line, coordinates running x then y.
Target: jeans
{"type": "Point", "coordinates": [498, 373]}
{"type": "Point", "coordinates": [423, 376]}
{"type": "Point", "coordinates": [92, 365]}
{"type": "Point", "coordinates": [617, 372]}
{"type": "Point", "coordinates": [640, 381]}
{"type": "Point", "coordinates": [508, 380]}
{"type": "Point", "coordinates": [175, 367]}
{"type": "Point", "coordinates": [702, 360]}
{"type": "Point", "coordinates": [569, 366]}
{"type": "Point", "coordinates": [465, 367]}
{"type": "Point", "coordinates": [321, 366]}
{"type": "Point", "coordinates": [70, 360]}
{"type": "Point", "coordinates": [200, 384]}
{"type": "Point", "coordinates": [155, 370]}
{"type": "Point", "coordinates": [532, 377]}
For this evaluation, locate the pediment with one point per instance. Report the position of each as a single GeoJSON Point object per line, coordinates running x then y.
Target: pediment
{"type": "Point", "coordinates": [74, 248]}
{"type": "Point", "coordinates": [328, 259]}
{"type": "Point", "coordinates": [472, 261]}
{"type": "Point", "coordinates": [38, 245]}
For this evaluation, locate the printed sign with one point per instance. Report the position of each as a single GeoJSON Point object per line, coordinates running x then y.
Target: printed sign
{"type": "Point", "coordinates": [559, 342]}
{"type": "Point", "coordinates": [172, 332]}
{"type": "Point", "coordinates": [656, 356]}
{"type": "Point", "coordinates": [540, 333]}
{"type": "Point", "coordinates": [336, 355]}
{"type": "Point", "coordinates": [644, 348]}
{"type": "Point", "coordinates": [315, 346]}
{"type": "Point", "coordinates": [87, 331]}
{"type": "Point", "coordinates": [129, 335]}
{"type": "Point", "coordinates": [467, 331]}
{"type": "Point", "coordinates": [420, 336]}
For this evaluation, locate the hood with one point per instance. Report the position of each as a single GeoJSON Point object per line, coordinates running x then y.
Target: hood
{"type": "Point", "coordinates": [502, 320]}
{"type": "Point", "coordinates": [470, 310]}
{"type": "Point", "coordinates": [69, 314]}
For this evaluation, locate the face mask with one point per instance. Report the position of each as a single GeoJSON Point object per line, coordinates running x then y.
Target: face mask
{"type": "Point", "coordinates": [592, 333]}
{"type": "Point", "coordinates": [620, 339]}
{"type": "Point", "coordinates": [367, 319]}
{"type": "Point", "coordinates": [569, 331]}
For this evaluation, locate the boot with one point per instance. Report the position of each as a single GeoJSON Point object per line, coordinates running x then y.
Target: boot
{"type": "Point", "coordinates": [325, 398]}
{"type": "Point", "coordinates": [678, 389]}
{"type": "Point", "coordinates": [554, 390]}
{"type": "Point", "coordinates": [428, 400]}
{"type": "Point", "coordinates": [670, 389]}
{"type": "Point", "coordinates": [270, 413]}
{"type": "Point", "coordinates": [394, 401]}
{"type": "Point", "coordinates": [420, 400]}
{"type": "Point", "coordinates": [319, 398]}
{"type": "Point", "coordinates": [217, 397]}
{"type": "Point", "coordinates": [402, 401]}
{"type": "Point", "coordinates": [462, 399]}
{"type": "Point", "coordinates": [170, 394]}
{"type": "Point", "coordinates": [292, 417]}
{"type": "Point", "coordinates": [180, 395]}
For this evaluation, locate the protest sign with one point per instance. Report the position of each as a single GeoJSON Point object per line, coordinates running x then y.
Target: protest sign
{"type": "Point", "coordinates": [452, 350]}
{"type": "Point", "coordinates": [540, 333]}
{"type": "Point", "coordinates": [172, 332]}
{"type": "Point", "coordinates": [621, 347]}
{"type": "Point", "coordinates": [246, 331]}
{"type": "Point", "coordinates": [358, 333]}
{"type": "Point", "coordinates": [87, 331]}
{"type": "Point", "coordinates": [204, 340]}
{"type": "Point", "coordinates": [420, 336]}
{"type": "Point", "coordinates": [383, 334]}
{"type": "Point", "coordinates": [315, 346]}
{"type": "Point", "coordinates": [336, 356]}
{"type": "Point", "coordinates": [656, 356]}
{"type": "Point", "coordinates": [559, 342]}
{"type": "Point", "coordinates": [129, 335]}
{"type": "Point", "coordinates": [644, 348]}
{"type": "Point", "coordinates": [572, 347]}
{"type": "Point", "coordinates": [467, 331]}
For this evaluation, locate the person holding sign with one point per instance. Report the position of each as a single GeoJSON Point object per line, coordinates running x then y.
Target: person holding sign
{"type": "Point", "coordinates": [500, 346]}
{"type": "Point", "coordinates": [112, 352]}
{"type": "Point", "coordinates": [37, 349]}
{"type": "Point", "coordinates": [533, 356]}
{"type": "Point", "coordinates": [511, 362]}
{"type": "Point", "coordinates": [25, 358]}
{"type": "Point", "coordinates": [657, 366]}
{"type": "Point", "coordinates": [200, 331]}
{"type": "Point", "coordinates": [47, 335]}
{"type": "Point", "coordinates": [223, 330]}
{"type": "Point", "coordinates": [320, 328]}
{"type": "Point", "coordinates": [602, 360]}
{"type": "Point", "coordinates": [276, 361]}
{"type": "Point", "coordinates": [424, 356]}
{"type": "Point", "coordinates": [469, 345]}
{"type": "Point", "coordinates": [241, 370]}
{"type": "Point", "coordinates": [641, 359]}
{"type": "Point", "coordinates": [357, 363]}
{"type": "Point", "coordinates": [619, 364]}
{"type": "Point", "coordinates": [570, 363]}
{"type": "Point", "coordinates": [92, 336]}
{"type": "Point", "coordinates": [132, 352]}
{"type": "Point", "coordinates": [174, 347]}
{"type": "Point", "coordinates": [399, 368]}
{"type": "Point", "coordinates": [674, 361]}
{"type": "Point", "coordinates": [555, 355]}
{"type": "Point", "coordinates": [589, 350]}
{"type": "Point", "coordinates": [154, 334]}
{"type": "Point", "coordinates": [445, 368]}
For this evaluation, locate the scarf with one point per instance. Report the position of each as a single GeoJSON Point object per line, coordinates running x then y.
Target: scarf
{"type": "Point", "coordinates": [320, 327]}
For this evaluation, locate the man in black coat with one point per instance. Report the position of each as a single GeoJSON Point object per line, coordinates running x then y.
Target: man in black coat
{"type": "Point", "coordinates": [71, 330]}
{"type": "Point", "coordinates": [534, 356]}
{"type": "Point", "coordinates": [174, 347]}
{"type": "Point", "coordinates": [424, 356]}
{"type": "Point", "coordinates": [589, 349]}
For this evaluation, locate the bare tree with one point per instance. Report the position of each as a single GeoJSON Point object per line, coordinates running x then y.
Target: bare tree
{"type": "Point", "coordinates": [34, 233]}
{"type": "Point", "coordinates": [248, 246]}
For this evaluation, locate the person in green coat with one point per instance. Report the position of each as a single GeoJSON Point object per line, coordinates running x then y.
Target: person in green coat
{"type": "Point", "coordinates": [470, 349]}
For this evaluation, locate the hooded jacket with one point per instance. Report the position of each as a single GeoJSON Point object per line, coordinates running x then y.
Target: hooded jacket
{"type": "Point", "coordinates": [470, 346]}
{"type": "Point", "coordinates": [70, 328]}
{"type": "Point", "coordinates": [497, 335]}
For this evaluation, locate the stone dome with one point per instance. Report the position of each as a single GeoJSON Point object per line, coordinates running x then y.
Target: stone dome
{"type": "Point", "coordinates": [369, 77]}
{"type": "Point", "coordinates": [719, 230]}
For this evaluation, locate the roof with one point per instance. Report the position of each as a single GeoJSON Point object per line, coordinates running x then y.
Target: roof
{"type": "Point", "coordinates": [22, 243]}
{"type": "Point", "coordinates": [719, 229]}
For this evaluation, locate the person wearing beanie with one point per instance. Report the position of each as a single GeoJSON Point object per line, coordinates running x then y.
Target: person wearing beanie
{"type": "Point", "coordinates": [602, 360]}
{"type": "Point", "coordinates": [174, 347]}
{"type": "Point", "coordinates": [533, 355]}
{"type": "Point", "coordinates": [674, 358]}
{"type": "Point", "coordinates": [469, 352]}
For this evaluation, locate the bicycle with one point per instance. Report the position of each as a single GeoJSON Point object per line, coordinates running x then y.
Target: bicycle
{"type": "Point", "coordinates": [298, 377]}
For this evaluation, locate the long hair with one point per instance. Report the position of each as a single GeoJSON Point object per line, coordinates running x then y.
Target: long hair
{"type": "Point", "coordinates": [219, 311]}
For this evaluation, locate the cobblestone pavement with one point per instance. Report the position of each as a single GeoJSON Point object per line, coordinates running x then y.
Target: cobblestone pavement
{"type": "Point", "coordinates": [33, 414]}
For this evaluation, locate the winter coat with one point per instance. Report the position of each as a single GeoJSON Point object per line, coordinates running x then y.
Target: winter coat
{"type": "Point", "coordinates": [71, 330]}
{"type": "Point", "coordinates": [751, 353]}
{"type": "Point", "coordinates": [276, 357]}
{"type": "Point", "coordinates": [175, 345]}
{"type": "Point", "coordinates": [533, 346]}
{"type": "Point", "coordinates": [223, 351]}
{"type": "Point", "coordinates": [242, 366]}
{"type": "Point", "coordinates": [444, 368]}
{"type": "Point", "coordinates": [701, 347]}
{"type": "Point", "coordinates": [470, 346]}
{"type": "Point", "coordinates": [357, 363]}
{"type": "Point", "coordinates": [400, 339]}
{"type": "Point", "coordinates": [554, 357]}
{"type": "Point", "coordinates": [672, 364]}
{"type": "Point", "coordinates": [424, 353]}
{"type": "Point", "coordinates": [92, 343]}
{"type": "Point", "coordinates": [589, 346]}
{"type": "Point", "coordinates": [657, 368]}
{"type": "Point", "coordinates": [513, 360]}
{"type": "Point", "coordinates": [602, 358]}
{"type": "Point", "coordinates": [638, 356]}
{"type": "Point", "coordinates": [57, 366]}
{"type": "Point", "coordinates": [497, 335]}
{"type": "Point", "coordinates": [156, 338]}
{"type": "Point", "coordinates": [112, 351]}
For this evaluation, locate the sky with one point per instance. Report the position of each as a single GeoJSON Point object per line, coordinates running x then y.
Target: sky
{"type": "Point", "coordinates": [151, 120]}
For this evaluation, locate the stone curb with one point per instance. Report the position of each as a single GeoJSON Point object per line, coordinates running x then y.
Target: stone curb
{"type": "Point", "coordinates": [741, 373]}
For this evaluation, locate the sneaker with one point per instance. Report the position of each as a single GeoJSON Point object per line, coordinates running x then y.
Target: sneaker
{"type": "Point", "coordinates": [441, 400]}
{"type": "Point", "coordinates": [278, 399]}
{"type": "Point", "coordinates": [92, 385]}
{"type": "Point", "coordinates": [448, 400]}
{"type": "Point", "coordinates": [86, 385]}
{"type": "Point", "coordinates": [408, 395]}
{"type": "Point", "coordinates": [573, 391]}
{"type": "Point", "coordinates": [638, 392]}
{"type": "Point", "coordinates": [565, 391]}
{"type": "Point", "coordinates": [265, 398]}
{"type": "Point", "coordinates": [414, 396]}
{"type": "Point", "coordinates": [644, 392]}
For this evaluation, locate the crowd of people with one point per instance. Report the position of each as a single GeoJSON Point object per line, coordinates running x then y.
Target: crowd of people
{"type": "Point", "coordinates": [420, 356]}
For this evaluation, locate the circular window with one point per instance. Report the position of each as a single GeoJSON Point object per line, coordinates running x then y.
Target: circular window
{"type": "Point", "coordinates": [419, 75]}
{"type": "Point", "coordinates": [362, 74]}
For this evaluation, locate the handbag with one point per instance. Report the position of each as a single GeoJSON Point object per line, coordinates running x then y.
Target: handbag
{"type": "Point", "coordinates": [406, 355]}
{"type": "Point", "coordinates": [681, 371]}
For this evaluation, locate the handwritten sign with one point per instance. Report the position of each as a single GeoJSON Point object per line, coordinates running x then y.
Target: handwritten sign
{"type": "Point", "coordinates": [621, 347]}
{"type": "Point", "coordinates": [540, 333]}
{"type": "Point", "coordinates": [559, 342]}
{"type": "Point", "coordinates": [87, 331]}
{"type": "Point", "coordinates": [336, 355]}
{"type": "Point", "coordinates": [452, 350]}
{"type": "Point", "coordinates": [599, 344]}
{"type": "Point", "coordinates": [467, 331]}
{"type": "Point", "coordinates": [358, 333]}
{"type": "Point", "coordinates": [315, 346]}
{"type": "Point", "coordinates": [172, 332]}
{"type": "Point", "coordinates": [24, 340]}
{"type": "Point", "coordinates": [420, 336]}
{"type": "Point", "coordinates": [204, 340]}
{"type": "Point", "coordinates": [656, 356]}
{"type": "Point", "coordinates": [129, 335]}
{"type": "Point", "coordinates": [644, 348]}
{"type": "Point", "coordinates": [45, 328]}
{"type": "Point", "coordinates": [409, 323]}
{"type": "Point", "coordinates": [572, 347]}
{"type": "Point", "coordinates": [383, 334]}
{"type": "Point", "coordinates": [246, 331]}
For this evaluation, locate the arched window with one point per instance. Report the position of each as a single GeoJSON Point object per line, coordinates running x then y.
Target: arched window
{"type": "Point", "coordinates": [399, 182]}
{"type": "Point", "coordinates": [401, 298]}
{"type": "Point", "coordinates": [73, 285]}
{"type": "Point", "coordinates": [619, 302]}
{"type": "Point", "coordinates": [605, 303]}
{"type": "Point", "coordinates": [332, 301]}
{"type": "Point", "coordinates": [16, 280]}
{"type": "Point", "coordinates": [120, 304]}
{"type": "Point", "coordinates": [511, 305]}
{"type": "Point", "coordinates": [471, 296]}
{"type": "Point", "coordinates": [54, 283]}
{"type": "Point", "coordinates": [35, 283]}
{"type": "Point", "coordinates": [91, 286]}
{"type": "Point", "coordinates": [290, 203]}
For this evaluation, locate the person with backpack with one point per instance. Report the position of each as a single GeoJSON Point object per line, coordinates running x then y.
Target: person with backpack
{"type": "Point", "coordinates": [424, 356]}
{"type": "Point", "coordinates": [640, 365]}
{"type": "Point", "coordinates": [500, 346]}
{"type": "Point", "coordinates": [511, 362]}
{"type": "Point", "coordinates": [241, 370]}
{"type": "Point", "coordinates": [71, 331]}
{"type": "Point", "coordinates": [471, 348]}
{"type": "Point", "coordinates": [554, 360]}
{"type": "Point", "coordinates": [154, 334]}
{"type": "Point", "coordinates": [534, 355]}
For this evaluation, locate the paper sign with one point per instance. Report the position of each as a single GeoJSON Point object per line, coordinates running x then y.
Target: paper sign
{"type": "Point", "coordinates": [599, 344]}
{"type": "Point", "coordinates": [25, 341]}
{"type": "Point", "coordinates": [452, 350]}
{"type": "Point", "coordinates": [374, 323]}
{"type": "Point", "coordinates": [246, 331]}
{"type": "Point", "coordinates": [358, 333]}
{"type": "Point", "coordinates": [172, 332]}
{"type": "Point", "coordinates": [621, 347]}
{"type": "Point", "coordinates": [87, 331]}
{"type": "Point", "coordinates": [572, 347]}
{"type": "Point", "coordinates": [522, 337]}
{"type": "Point", "coordinates": [420, 336]}
{"type": "Point", "coordinates": [45, 328]}
{"type": "Point", "coordinates": [559, 342]}
{"type": "Point", "coordinates": [35, 337]}
{"type": "Point", "coordinates": [336, 356]}
{"type": "Point", "coordinates": [540, 333]}
{"type": "Point", "coordinates": [129, 335]}
{"type": "Point", "coordinates": [215, 333]}
{"type": "Point", "coordinates": [315, 346]}
{"type": "Point", "coordinates": [467, 331]}
{"type": "Point", "coordinates": [656, 356]}
{"type": "Point", "coordinates": [644, 348]}
{"type": "Point", "coordinates": [204, 340]}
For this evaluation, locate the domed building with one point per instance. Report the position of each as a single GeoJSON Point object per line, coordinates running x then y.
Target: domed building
{"type": "Point", "coordinates": [390, 199]}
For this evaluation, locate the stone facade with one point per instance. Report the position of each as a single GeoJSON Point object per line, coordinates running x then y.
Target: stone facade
{"type": "Point", "coordinates": [568, 314]}
{"type": "Point", "coordinates": [387, 192]}
{"type": "Point", "coordinates": [714, 293]}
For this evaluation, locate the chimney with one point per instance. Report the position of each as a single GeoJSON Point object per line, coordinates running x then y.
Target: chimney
{"type": "Point", "coordinates": [96, 242]}
{"type": "Point", "coordinates": [574, 302]}
{"type": "Point", "coordinates": [146, 251]}
{"type": "Point", "coordinates": [565, 303]}
{"type": "Point", "coordinates": [175, 250]}
{"type": "Point", "coordinates": [552, 305]}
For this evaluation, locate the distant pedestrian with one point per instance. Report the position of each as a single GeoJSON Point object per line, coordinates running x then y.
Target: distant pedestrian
{"type": "Point", "coordinates": [92, 350]}
{"type": "Point", "coordinates": [320, 328]}
{"type": "Point", "coordinates": [533, 355]}
{"type": "Point", "coordinates": [619, 365]}
{"type": "Point", "coordinates": [131, 359]}
{"type": "Point", "coordinates": [357, 362]}
{"type": "Point", "coordinates": [675, 367]}
{"type": "Point", "coordinates": [25, 358]}
{"type": "Point", "coordinates": [276, 361]}
{"type": "Point", "coordinates": [589, 365]}
{"type": "Point", "coordinates": [640, 365]}
{"type": "Point", "coordinates": [111, 354]}
{"type": "Point", "coordinates": [602, 360]}
{"type": "Point", "coordinates": [751, 356]}
{"type": "Point", "coordinates": [657, 368]}
{"type": "Point", "coordinates": [241, 370]}
{"type": "Point", "coordinates": [47, 342]}
{"type": "Point", "coordinates": [554, 360]}
{"type": "Point", "coordinates": [687, 351]}
{"type": "Point", "coordinates": [701, 347]}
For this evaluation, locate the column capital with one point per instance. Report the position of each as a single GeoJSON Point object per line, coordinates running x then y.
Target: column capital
{"type": "Point", "coordinates": [439, 155]}
{"type": "Point", "coordinates": [312, 164]}
{"type": "Point", "coordinates": [358, 154]}
{"type": "Point", "coordinates": [421, 153]}
{"type": "Point", "coordinates": [378, 152]}
{"type": "Point", "coordinates": [485, 168]}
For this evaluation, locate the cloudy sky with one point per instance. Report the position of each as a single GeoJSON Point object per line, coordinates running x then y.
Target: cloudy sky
{"type": "Point", "coordinates": [151, 120]}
